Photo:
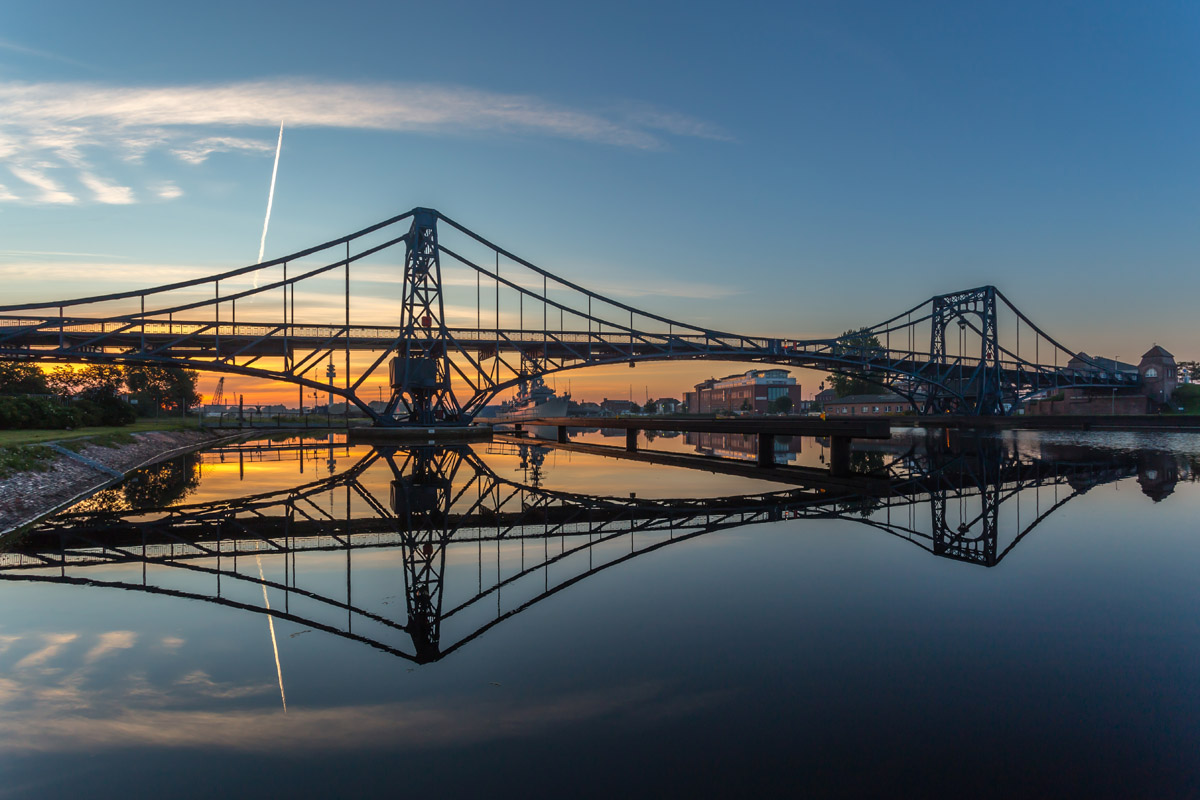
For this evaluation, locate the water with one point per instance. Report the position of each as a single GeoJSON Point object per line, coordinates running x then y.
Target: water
{"type": "Point", "coordinates": [1011, 616]}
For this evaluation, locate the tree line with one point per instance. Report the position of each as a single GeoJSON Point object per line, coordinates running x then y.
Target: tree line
{"type": "Point", "coordinates": [94, 394]}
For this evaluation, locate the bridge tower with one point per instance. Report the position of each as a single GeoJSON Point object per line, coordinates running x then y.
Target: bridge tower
{"type": "Point", "coordinates": [961, 386]}
{"type": "Point", "coordinates": [421, 505]}
{"type": "Point", "coordinates": [420, 371]}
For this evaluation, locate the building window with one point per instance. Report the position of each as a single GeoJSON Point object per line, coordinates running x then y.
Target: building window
{"type": "Point", "coordinates": [1151, 372]}
{"type": "Point", "coordinates": [875, 409]}
{"type": "Point", "coordinates": [864, 409]}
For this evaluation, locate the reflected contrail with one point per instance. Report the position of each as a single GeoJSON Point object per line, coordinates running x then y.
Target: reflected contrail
{"type": "Point", "coordinates": [271, 625]}
{"type": "Point", "coordinates": [262, 244]}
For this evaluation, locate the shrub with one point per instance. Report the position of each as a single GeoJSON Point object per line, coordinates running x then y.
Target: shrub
{"type": "Point", "coordinates": [25, 412]}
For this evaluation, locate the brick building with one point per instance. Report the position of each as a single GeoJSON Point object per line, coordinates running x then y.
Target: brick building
{"type": "Point", "coordinates": [749, 392]}
{"type": "Point", "coordinates": [1157, 371]}
{"type": "Point", "coordinates": [867, 405]}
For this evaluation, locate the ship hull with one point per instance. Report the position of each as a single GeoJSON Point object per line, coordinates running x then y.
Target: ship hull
{"type": "Point", "coordinates": [554, 407]}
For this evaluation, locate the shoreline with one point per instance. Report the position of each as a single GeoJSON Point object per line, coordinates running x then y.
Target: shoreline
{"type": "Point", "coordinates": [1063, 422]}
{"type": "Point", "coordinates": [72, 476]}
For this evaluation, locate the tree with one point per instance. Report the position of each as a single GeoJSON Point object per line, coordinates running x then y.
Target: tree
{"type": "Point", "coordinates": [1192, 368]}
{"type": "Point", "coordinates": [746, 406]}
{"type": "Point", "coordinates": [99, 379]}
{"type": "Point", "coordinates": [22, 378]}
{"type": "Point", "coordinates": [782, 404]}
{"type": "Point", "coordinates": [156, 387]}
{"type": "Point", "coordinates": [63, 381]}
{"type": "Point", "coordinates": [651, 407]}
{"type": "Point", "coordinates": [854, 345]}
{"type": "Point", "coordinates": [98, 396]}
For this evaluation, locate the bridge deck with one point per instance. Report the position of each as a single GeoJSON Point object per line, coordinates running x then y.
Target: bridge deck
{"type": "Point", "coordinates": [777, 426]}
{"type": "Point", "coordinates": [808, 477]}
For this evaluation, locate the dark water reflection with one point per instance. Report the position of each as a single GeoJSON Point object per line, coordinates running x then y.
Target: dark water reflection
{"type": "Point", "coordinates": [1007, 616]}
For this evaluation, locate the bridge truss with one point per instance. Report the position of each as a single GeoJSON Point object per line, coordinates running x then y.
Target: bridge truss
{"type": "Point", "coordinates": [458, 322]}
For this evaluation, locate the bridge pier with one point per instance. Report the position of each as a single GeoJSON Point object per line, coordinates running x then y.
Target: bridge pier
{"type": "Point", "coordinates": [766, 450]}
{"type": "Point", "coordinates": [839, 456]}
{"type": "Point", "coordinates": [631, 437]}
{"type": "Point", "coordinates": [562, 434]}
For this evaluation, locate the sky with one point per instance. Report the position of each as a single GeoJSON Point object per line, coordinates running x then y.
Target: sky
{"type": "Point", "coordinates": [786, 169]}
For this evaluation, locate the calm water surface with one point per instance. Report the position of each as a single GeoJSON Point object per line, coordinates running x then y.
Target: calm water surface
{"type": "Point", "coordinates": [1012, 616]}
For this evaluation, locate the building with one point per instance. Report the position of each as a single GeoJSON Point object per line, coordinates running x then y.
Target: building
{"type": "Point", "coordinates": [825, 397]}
{"type": "Point", "coordinates": [743, 446]}
{"type": "Point", "coordinates": [616, 406]}
{"type": "Point", "coordinates": [867, 405]}
{"type": "Point", "coordinates": [667, 405]}
{"type": "Point", "coordinates": [750, 392]}
{"type": "Point", "coordinates": [584, 409]}
{"type": "Point", "coordinates": [1157, 371]}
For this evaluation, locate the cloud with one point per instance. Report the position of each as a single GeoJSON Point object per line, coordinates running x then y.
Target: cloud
{"type": "Point", "coordinates": [5, 194]}
{"type": "Point", "coordinates": [62, 108]}
{"type": "Point", "coordinates": [32, 51]}
{"type": "Point", "coordinates": [52, 192]}
{"type": "Point", "coordinates": [198, 152]}
{"type": "Point", "coordinates": [110, 641]}
{"type": "Point", "coordinates": [63, 719]}
{"type": "Point", "coordinates": [55, 642]}
{"type": "Point", "coordinates": [63, 124]}
{"type": "Point", "coordinates": [123, 272]}
{"type": "Point", "coordinates": [48, 253]}
{"type": "Point", "coordinates": [106, 192]}
{"type": "Point", "coordinates": [167, 191]}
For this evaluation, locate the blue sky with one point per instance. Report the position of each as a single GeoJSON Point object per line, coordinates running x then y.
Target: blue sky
{"type": "Point", "coordinates": [781, 168]}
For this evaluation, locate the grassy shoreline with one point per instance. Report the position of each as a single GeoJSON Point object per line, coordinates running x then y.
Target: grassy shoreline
{"type": "Point", "coordinates": [22, 437]}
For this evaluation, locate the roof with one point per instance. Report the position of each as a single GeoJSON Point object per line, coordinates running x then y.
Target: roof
{"type": "Point", "coordinates": [1157, 352]}
{"type": "Point", "coordinates": [1107, 364]}
{"type": "Point", "coordinates": [870, 398]}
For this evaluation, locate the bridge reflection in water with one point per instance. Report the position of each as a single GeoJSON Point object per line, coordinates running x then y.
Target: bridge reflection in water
{"type": "Point", "coordinates": [476, 548]}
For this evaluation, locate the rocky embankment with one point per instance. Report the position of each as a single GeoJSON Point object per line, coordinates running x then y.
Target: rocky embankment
{"type": "Point", "coordinates": [84, 469]}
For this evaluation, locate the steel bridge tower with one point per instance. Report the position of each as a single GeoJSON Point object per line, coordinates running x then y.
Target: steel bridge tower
{"type": "Point", "coordinates": [420, 372]}
{"type": "Point", "coordinates": [964, 387]}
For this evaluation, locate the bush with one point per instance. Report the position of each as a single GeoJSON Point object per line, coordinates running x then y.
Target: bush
{"type": "Point", "coordinates": [1187, 397]}
{"type": "Point", "coordinates": [36, 412]}
{"type": "Point", "coordinates": [27, 413]}
{"type": "Point", "coordinates": [104, 409]}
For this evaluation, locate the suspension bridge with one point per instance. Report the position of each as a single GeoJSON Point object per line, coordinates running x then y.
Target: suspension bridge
{"type": "Point", "coordinates": [463, 319]}
{"type": "Point", "coordinates": [514, 543]}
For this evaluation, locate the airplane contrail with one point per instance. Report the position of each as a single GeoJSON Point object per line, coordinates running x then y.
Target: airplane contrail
{"type": "Point", "coordinates": [271, 626]}
{"type": "Point", "coordinates": [262, 245]}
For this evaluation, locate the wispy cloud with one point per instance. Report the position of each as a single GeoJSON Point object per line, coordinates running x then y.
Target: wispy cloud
{"type": "Point", "coordinates": [54, 644]}
{"type": "Point", "coordinates": [167, 190]}
{"type": "Point", "coordinates": [62, 124]}
{"type": "Point", "coordinates": [33, 51]}
{"type": "Point", "coordinates": [106, 192]}
{"type": "Point", "coordinates": [109, 642]}
{"type": "Point", "coordinates": [52, 254]}
{"type": "Point", "coordinates": [51, 190]}
{"type": "Point", "coordinates": [199, 151]}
